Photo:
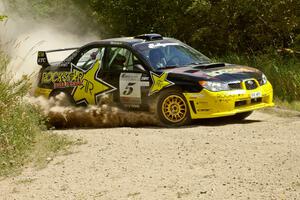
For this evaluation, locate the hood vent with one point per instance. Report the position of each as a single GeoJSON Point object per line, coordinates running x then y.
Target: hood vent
{"type": "Point", "coordinates": [191, 71]}
{"type": "Point", "coordinates": [211, 65]}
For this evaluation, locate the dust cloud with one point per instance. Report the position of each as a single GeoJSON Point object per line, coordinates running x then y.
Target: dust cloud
{"type": "Point", "coordinates": [60, 114]}
{"type": "Point", "coordinates": [22, 36]}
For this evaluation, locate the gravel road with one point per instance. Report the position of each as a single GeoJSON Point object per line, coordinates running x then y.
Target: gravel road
{"type": "Point", "coordinates": [256, 159]}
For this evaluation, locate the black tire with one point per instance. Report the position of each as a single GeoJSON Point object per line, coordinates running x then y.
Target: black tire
{"type": "Point", "coordinates": [172, 109]}
{"type": "Point", "coordinates": [242, 116]}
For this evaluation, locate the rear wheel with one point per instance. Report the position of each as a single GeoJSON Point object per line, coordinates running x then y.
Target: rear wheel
{"type": "Point", "coordinates": [242, 116]}
{"type": "Point", "coordinates": [172, 108]}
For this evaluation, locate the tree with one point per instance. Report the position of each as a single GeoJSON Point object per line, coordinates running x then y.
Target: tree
{"type": "Point", "coordinates": [213, 26]}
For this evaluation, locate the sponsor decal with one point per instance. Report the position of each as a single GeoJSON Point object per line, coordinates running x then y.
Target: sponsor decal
{"type": "Point", "coordinates": [130, 88]}
{"type": "Point", "coordinates": [229, 71]}
{"type": "Point", "coordinates": [92, 87]}
{"type": "Point", "coordinates": [196, 96]}
{"type": "Point", "coordinates": [145, 78]}
{"type": "Point", "coordinates": [67, 84]}
{"type": "Point", "coordinates": [63, 79]}
{"type": "Point", "coordinates": [116, 43]}
{"type": "Point", "coordinates": [152, 46]}
{"type": "Point", "coordinates": [87, 86]}
{"type": "Point", "coordinates": [42, 58]}
{"type": "Point", "coordinates": [159, 82]}
{"type": "Point", "coordinates": [236, 92]}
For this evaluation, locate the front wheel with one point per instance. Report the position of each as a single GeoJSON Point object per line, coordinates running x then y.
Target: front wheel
{"type": "Point", "coordinates": [172, 108]}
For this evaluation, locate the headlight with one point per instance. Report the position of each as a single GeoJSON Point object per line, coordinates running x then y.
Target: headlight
{"type": "Point", "coordinates": [264, 79]}
{"type": "Point", "coordinates": [214, 86]}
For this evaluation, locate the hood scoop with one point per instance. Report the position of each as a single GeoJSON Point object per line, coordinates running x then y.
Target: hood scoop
{"type": "Point", "coordinates": [191, 71]}
{"type": "Point", "coordinates": [210, 65]}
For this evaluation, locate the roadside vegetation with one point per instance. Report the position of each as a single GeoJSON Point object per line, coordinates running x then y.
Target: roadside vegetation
{"type": "Point", "coordinates": [23, 135]}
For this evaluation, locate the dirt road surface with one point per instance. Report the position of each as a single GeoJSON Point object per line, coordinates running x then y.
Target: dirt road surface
{"type": "Point", "coordinates": [256, 159]}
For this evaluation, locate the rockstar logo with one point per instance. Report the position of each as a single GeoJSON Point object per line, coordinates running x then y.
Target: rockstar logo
{"type": "Point", "coordinates": [159, 82]}
{"type": "Point", "coordinates": [91, 87]}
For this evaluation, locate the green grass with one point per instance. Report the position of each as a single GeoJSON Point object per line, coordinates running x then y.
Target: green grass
{"type": "Point", "coordinates": [22, 129]}
{"type": "Point", "coordinates": [284, 108]}
{"type": "Point", "coordinates": [47, 146]}
{"type": "Point", "coordinates": [282, 71]}
{"type": "Point", "coordinates": [294, 105]}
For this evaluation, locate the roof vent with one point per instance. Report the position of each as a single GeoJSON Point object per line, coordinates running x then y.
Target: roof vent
{"type": "Point", "coordinates": [149, 37]}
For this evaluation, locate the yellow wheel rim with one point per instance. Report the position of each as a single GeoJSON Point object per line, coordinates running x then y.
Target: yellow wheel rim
{"type": "Point", "coordinates": [174, 108]}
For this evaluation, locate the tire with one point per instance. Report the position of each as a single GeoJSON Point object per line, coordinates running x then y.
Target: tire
{"type": "Point", "coordinates": [242, 116]}
{"type": "Point", "coordinates": [172, 109]}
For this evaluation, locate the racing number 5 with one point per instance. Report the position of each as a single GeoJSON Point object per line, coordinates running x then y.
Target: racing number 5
{"type": "Point", "coordinates": [128, 89]}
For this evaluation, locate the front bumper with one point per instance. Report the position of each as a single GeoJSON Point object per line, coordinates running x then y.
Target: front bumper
{"type": "Point", "coordinates": [207, 104]}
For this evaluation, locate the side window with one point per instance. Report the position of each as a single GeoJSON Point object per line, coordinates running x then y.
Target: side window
{"type": "Point", "coordinates": [90, 57]}
{"type": "Point", "coordinates": [121, 59]}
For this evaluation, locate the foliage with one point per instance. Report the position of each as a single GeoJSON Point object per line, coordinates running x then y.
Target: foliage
{"type": "Point", "coordinates": [21, 125]}
{"type": "Point", "coordinates": [214, 26]}
{"type": "Point", "coordinates": [282, 71]}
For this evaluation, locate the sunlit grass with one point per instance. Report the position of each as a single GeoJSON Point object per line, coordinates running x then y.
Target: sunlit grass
{"type": "Point", "coordinates": [22, 129]}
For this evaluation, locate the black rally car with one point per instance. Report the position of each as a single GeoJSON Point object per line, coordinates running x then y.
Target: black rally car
{"type": "Point", "coordinates": [151, 71]}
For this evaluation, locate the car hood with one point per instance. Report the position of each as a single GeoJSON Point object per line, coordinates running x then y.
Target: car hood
{"type": "Point", "coordinates": [217, 72]}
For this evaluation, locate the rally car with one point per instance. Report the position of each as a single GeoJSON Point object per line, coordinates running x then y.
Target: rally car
{"type": "Point", "coordinates": [156, 74]}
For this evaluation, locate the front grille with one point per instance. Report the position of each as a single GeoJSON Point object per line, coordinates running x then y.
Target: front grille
{"type": "Point", "coordinates": [257, 100]}
{"type": "Point", "coordinates": [240, 103]}
{"type": "Point", "coordinates": [248, 102]}
{"type": "Point", "coordinates": [235, 86]}
{"type": "Point", "coordinates": [251, 84]}
{"type": "Point", "coordinates": [260, 81]}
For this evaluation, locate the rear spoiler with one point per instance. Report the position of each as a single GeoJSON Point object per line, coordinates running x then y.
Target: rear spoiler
{"type": "Point", "coordinates": [42, 56]}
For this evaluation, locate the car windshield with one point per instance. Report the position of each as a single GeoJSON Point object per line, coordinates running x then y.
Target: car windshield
{"type": "Point", "coordinates": [170, 55]}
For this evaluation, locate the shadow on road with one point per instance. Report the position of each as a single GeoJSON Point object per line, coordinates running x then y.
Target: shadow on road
{"type": "Point", "coordinates": [214, 122]}
{"type": "Point", "coordinates": [222, 121]}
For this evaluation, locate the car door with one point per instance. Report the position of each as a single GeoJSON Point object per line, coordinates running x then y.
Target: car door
{"type": "Point", "coordinates": [86, 68]}
{"type": "Point", "coordinates": [126, 72]}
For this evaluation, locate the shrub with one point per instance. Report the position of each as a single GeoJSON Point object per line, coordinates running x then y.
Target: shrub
{"type": "Point", "coordinates": [283, 71]}
{"type": "Point", "coordinates": [20, 122]}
